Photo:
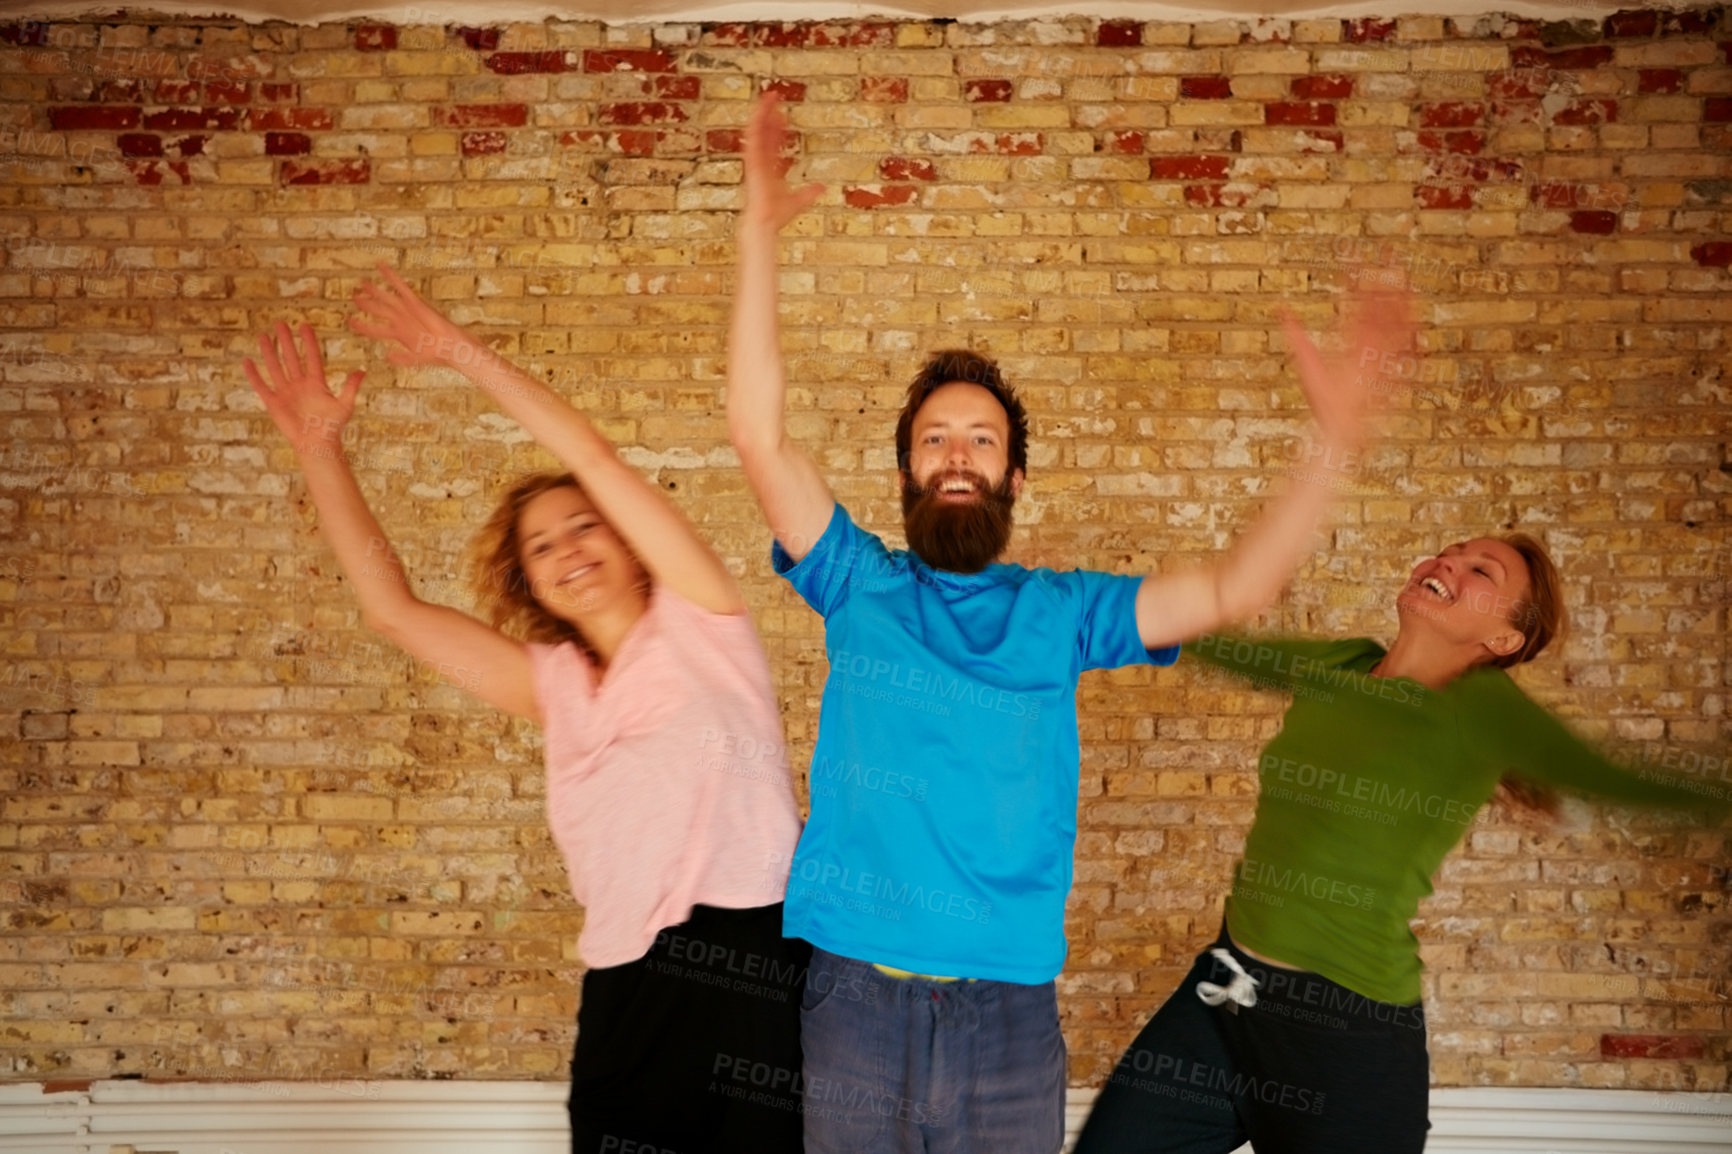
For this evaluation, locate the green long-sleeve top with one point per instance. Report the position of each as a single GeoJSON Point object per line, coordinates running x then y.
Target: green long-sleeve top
{"type": "Point", "coordinates": [1371, 781]}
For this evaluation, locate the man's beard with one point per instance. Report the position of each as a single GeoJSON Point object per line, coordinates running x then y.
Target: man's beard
{"type": "Point", "coordinates": [956, 536]}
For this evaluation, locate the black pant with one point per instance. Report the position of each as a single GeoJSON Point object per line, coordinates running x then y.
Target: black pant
{"type": "Point", "coordinates": [1312, 1068]}
{"type": "Point", "coordinates": [695, 1047]}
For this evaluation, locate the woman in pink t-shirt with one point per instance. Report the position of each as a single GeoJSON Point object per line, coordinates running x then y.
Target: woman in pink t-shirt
{"type": "Point", "coordinates": [619, 631]}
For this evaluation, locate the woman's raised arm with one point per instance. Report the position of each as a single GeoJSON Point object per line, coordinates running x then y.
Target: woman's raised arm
{"type": "Point", "coordinates": [298, 399]}
{"type": "Point", "coordinates": [663, 540]}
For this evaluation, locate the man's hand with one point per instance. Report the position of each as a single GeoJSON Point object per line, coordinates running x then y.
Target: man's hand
{"type": "Point", "coordinates": [770, 203]}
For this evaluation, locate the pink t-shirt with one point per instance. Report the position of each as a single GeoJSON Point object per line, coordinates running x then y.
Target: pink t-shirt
{"type": "Point", "coordinates": [667, 785]}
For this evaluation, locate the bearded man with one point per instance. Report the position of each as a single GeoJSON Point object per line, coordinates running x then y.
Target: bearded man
{"type": "Point", "coordinates": [932, 875]}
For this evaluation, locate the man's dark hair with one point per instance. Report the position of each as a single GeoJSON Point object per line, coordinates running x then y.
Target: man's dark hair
{"type": "Point", "coordinates": [945, 366]}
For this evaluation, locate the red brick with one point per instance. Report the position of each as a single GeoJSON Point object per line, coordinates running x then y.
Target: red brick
{"type": "Point", "coordinates": [1717, 108]}
{"type": "Point", "coordinates": [482, 143]}
{"type": "Point", "coordinates": [1451, 115]}
{"type": "Point", "coordinates": [1119, 34]}
{"type": "Point", "coordinates": [136, 144]}
{"type": "Point", "coordinates": [227, 92]}
{"type": "Point", "coordinates": [1588, 112]}
{"type": "Point", "coordinates": [192, 145]}
{"type": "Point", "coordinates": [1726, 51]}
{"type": "Point", "coordinates": [122, 92]}
{"type": "Point", "coordinates": [678, 87]}
{"type": "Point", "coordinates": [482, 116]}
{"type": "Point", "coordinates": [1589, 56]}
{"type": "Point", "coordinates": [1205, 87]}
{"type": "Point", "coordinates": [287, 144]}
{"type": "Point", "coordinates": [1293, 112]}
{"type": "Point", "coordinates": [725, 140]}
{"type": "Point", "coordinates": [888, 194]}
{"type": "Point", "coordinates": [635, 141]}
{"type": "Point", "coordinates": [148, 172]}
{"type": "Point", "coordinates": [852, 36]}
{"type": "Point", "coordinates": [641, 113]}
{"type": "Point", "coordinates": [76, 119]}
{"type": "Point", "coordinates": [906, 168]}
{"type": "Point", "coordinates": [1460, 142]}
{"type": "Point", "coordinates": [987, 91]}
{"type": "Point", "coordinates": [26, 34]}
{"type": "Point", "coordinates": [1449, 196]}
{"type": "Point", "coordinates": [327, 172]}
{"type": "Point", "coordinates": [790, 90]}
{"type": "Point", "coordinates": [1600, 223]}
{"type": "Point", "coordinates": [287, 119]}
{"type": "Point", "coordinates": [1126, 140]}
{"type": "Point", "coordinates": [277, 93]}
{"type": "Point", "coordinates": [884, 89]}
{"type": "Point", "coordinates": [1660, 80]}
{"type": "Point", "coordinates": [1188, 167]}
{"type": "Point", "coordinates": [1627, 24]}
{"type": "Point", "coordinates": [1324, 86]}
{"type": "Point", "coordinates": [517, 63]}
{"type": "Point", "coordinates": [176, 91]}
{"type": "Point", "coordinates": [728, 35]}
{"type": "Point", "coordinates": [1367, 29]}
{"type": "Point", "coordinates": [1675, 1046]}
{"type": "Point", "coordinates": [480, 39]}
{"type": "Point", "coordinates": [781, 35]}
{"type": "Point", "coordinates": [1222, 195]}
{"type": "Point", "coordinates": [1713, 254]}
{"type": "Point", "coordinates": [1689, 23]}
{"type": "Point", "coordinates": [172, 119]}
{"type": "Point", "coordinates": [1018, 143]}
{"type": "Point", "coordinates": [375, 38]}
{"type": "Point", "coordinates": [627, 60]}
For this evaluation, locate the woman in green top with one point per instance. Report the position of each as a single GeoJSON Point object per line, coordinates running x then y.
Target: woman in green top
{"type": "Point", "coordinates": [1301, 1030]}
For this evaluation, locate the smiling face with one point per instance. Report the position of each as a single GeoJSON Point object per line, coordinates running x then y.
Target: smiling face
{"type": "Point", "coordinates": [1473, 594]}
{"type": "Point", "coordinates": [576, 565]}
{"type": "Point", "coordinates": [958, 487]}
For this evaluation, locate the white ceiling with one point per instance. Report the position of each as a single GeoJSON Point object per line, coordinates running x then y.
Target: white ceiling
{"type": "Point", "coordinates": [674, 11]}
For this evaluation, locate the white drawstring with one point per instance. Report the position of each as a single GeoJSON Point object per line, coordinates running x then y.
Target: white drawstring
{"type": "Point", "coordinates": [1241, 990]}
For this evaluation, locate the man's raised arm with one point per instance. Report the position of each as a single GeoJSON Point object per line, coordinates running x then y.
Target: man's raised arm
{"type": "Point", "coordinates": [796, 501]}
{"type": "Point", "coordinates": [1175, 607]}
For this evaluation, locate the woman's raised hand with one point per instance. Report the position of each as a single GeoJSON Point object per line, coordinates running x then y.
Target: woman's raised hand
{"type": "Point", "coordinates": [1343, 389]}
{"type": "Point", "coordinates": [769, 200]}
{"type": "Point", "coordinates": [298, 397]}
{"type": "Point", "coordinates": [392, 311]}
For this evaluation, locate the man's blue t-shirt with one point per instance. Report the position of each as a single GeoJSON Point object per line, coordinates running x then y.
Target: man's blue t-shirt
{"type": "Point", "coordinates": [944, 783]}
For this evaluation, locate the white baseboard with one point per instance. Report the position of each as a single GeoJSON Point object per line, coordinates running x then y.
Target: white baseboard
{"type": "Point", "coordinates": [529, 1118]}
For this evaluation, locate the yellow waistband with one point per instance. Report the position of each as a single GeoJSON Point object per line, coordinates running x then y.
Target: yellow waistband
{"type": "Point", "coordinates": [893, 972]}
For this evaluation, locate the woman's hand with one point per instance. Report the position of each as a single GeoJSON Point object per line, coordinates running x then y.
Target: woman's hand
{"type": "Point", "coordinates": [298, 397]}
{"type": "Point", "coordinates": [1343, 390]}
{"type": "Point", "coordinates": [769, 200]}
{"type": "Point", "coordinates": [423, 335]}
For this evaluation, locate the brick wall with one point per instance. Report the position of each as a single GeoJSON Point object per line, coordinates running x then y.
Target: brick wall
{"type": "Point", "coordinates": [242, 838]}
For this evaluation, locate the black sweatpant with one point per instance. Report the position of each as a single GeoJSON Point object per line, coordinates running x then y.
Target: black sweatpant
{"type": "Point", "coordinates": [1312, 1068]}
{"type": "Point", "coordinates": [695, 1047]}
